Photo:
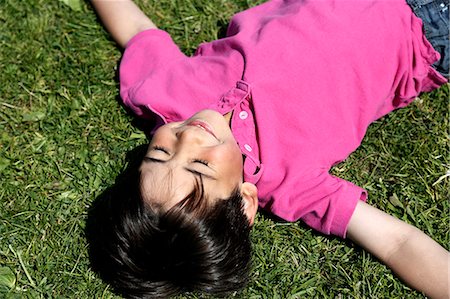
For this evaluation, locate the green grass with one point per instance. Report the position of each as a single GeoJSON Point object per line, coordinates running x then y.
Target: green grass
{"type": "Point", "coordinates": [64, 138]}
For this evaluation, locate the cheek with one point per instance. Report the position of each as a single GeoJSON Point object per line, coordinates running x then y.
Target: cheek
{"type": "Point", "coordinates": [162, 136]}
{"type": "Point", "coordinates": [230, 158]}
{"type": "Point", "coordinates": [235, 155]}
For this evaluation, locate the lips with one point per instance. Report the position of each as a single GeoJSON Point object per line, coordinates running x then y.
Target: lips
{"type": "Point", "coordinates": [202, 125]}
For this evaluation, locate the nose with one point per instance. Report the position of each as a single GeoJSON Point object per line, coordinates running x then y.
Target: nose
{"type": "Point", "coordinates": [189, 136]}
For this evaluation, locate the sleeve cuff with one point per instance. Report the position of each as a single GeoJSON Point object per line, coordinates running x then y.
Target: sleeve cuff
{"type": "Point", "coordinates": [346, 208]}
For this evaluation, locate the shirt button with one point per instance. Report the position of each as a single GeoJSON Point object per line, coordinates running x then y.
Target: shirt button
{"type": "Point", "coordinates": [248, 147]}
{"type": "Point", "coordinates": [243, 115]}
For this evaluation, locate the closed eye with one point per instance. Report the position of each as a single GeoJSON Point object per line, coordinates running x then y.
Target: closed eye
{"type": "Point", "coordinates": [204, 162]}
{"type": "Point", "coordinates": [161, 149]}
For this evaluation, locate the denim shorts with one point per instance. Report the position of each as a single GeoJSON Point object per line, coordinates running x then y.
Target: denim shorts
{"type": "Point", "coordinates": [435, 18]}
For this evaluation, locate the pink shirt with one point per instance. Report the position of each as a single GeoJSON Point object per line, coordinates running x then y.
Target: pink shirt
{"type": "Point", "coordinates": [304, 80]}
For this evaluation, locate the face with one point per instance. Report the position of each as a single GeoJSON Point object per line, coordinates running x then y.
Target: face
{"type": "Point", "coordinates": [182, 152]}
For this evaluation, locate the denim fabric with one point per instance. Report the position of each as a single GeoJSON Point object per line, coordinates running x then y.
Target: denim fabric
{"type": "Point", "coordinates": [435, 18]}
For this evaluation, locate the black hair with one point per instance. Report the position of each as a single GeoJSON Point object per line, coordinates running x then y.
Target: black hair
{"type": "Point", "coordinates": [145, 252]}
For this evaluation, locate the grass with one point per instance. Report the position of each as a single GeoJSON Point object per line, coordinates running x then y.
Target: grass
{"type": "Point", "coordinates": [64, 137]}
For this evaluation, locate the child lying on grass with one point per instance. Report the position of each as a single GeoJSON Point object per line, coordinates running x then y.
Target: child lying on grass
{"type": "Point", "coordinates": [258, 119]}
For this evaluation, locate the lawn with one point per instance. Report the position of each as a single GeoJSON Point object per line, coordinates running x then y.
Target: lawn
{"type": "Point", "coordinates": [64, 138]}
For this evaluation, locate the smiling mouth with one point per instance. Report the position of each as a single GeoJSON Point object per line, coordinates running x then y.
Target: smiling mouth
{"type": "Point", "coordinates": [202, 125]}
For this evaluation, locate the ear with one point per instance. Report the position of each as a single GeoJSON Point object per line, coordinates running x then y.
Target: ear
{"type": "Point", "coordinates": [249, 194]}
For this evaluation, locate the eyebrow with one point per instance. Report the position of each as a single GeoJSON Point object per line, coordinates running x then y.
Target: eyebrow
{"type": "Point", "coordinates": [194, 172]}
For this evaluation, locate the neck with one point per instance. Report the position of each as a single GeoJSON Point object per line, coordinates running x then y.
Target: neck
{"type": "Point", "coordinates": [228, 117]}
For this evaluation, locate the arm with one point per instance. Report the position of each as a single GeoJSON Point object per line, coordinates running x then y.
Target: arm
{"type": "Point", "coordinates": [122, 18]}
{"type": "Point", "coordinates": [418, 260]}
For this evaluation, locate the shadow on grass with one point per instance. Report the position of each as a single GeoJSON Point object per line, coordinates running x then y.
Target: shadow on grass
{"type": "Point", "coordinates": [105, 211]}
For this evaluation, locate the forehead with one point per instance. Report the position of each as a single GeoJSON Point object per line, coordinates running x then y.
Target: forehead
{"type": "Point", "coordinates": [163, 185]}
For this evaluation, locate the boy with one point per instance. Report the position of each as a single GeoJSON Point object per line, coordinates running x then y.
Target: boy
{"type": "Point", "coordinates": [187, 226]}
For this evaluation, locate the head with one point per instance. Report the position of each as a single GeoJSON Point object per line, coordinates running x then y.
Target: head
{"type": "Point", "coordinates": [184, 224]}
{"type": "Point", "coordinates": [199, 148]}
